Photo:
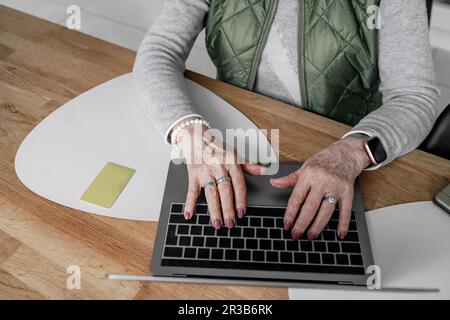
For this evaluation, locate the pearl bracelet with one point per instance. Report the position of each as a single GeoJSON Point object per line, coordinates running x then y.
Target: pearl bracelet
{"type": "Point", "coordinates": [184, 125]}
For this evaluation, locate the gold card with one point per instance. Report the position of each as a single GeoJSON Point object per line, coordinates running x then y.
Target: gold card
{"type": "Point", "coordinates": [108, 185]}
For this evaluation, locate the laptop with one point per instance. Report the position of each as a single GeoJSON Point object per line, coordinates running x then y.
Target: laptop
{"type": "Point", "coordinates": [257, 248]}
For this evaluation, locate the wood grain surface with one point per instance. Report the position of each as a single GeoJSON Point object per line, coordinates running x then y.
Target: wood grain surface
{"type": "Point", "coordinates": [42, 66]}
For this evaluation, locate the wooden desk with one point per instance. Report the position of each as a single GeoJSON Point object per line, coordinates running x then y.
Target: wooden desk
{"type": "Point", "coordinates": [42, 66]}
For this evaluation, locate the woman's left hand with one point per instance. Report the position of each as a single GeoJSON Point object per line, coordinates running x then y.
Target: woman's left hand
{"type": "Point", "coordinates": [331, 172]}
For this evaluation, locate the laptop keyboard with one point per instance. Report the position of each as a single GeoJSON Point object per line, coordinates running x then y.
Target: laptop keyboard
{"type": "Point", "coordinates": [258, 242]}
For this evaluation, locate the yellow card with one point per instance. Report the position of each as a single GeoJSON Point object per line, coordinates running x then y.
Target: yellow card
{"type": "Point", "coordinates": [108, 185]}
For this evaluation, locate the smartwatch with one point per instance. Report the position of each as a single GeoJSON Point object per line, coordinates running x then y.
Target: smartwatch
{"type": "Point", "coordinates": [375, 151]}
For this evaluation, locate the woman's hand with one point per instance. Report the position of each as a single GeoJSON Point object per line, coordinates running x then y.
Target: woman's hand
{"type": "Point", "coordinates": [208, 161]}
{"type": "Point", "coordinates": [331, 172]}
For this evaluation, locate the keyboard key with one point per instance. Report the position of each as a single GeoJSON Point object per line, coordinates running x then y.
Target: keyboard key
{"type": "Point", "coordinates": [201, 209]}
{"type": "Point", "coordinates": [203, 253]}
{"type": "Point", "coordinates": [352, 226]}
{"type": "Point", "coordinates": [238, 243]}
{"type": "Point", "coordinates": [173, 252]}
{"type": "Point", "coordinates": [183, 229]}
{"type": "Point", "coordinates": [327, 258]}
{"type": "Point", "coordinates": [177, 208]}
{"type": "Point", "coordinates": [275, 234]}
{"type": "Point", "coordinates": [244, 255]}
{"type": "Point", "coordinates": [350, 247]}
{"type": "Point", "coordinates": [224, 243]}
{"type": "Point", "coordinates": [333, 247]}
{"type": "Point", "coordinates": [268, 222]}
{"type": "Point", "coordinates": [230, 254]}
{"type": "Point", "coordinates": [217, 254]}
{"type": "Point", "coordinates": [319, 246]}
{"type": "Point", "coordinates": [222, 232]}
{"type": "Point", "coordinates": [255, 222]}
{"type": "Point", "coordinates": [211, 242]}
{"type": "Point", "coordinates": [265, 211]}
{"type": "Point", "coordinates": [287, 235]}
{"type": "Point", "coordinates": [261, 233]}
{"type": "Point", "coordinates": [306, 245]}
{"type": "Point", "coordinates": [203, 219]}
{"type": "Point", "coordinates": [185, 241]}
{"type": "Point", "coordinates": [279, 245]}
{"type": "Point", "coordinates": [300, 257]}
{"type": "Point", "coordinates": [352, 236]}
{"type": "Point", "coordinates": [342, 259]}
{"type": "Point", "coordinates": [314, 258]}
{"type": "Point", "coordinates": [242, 222]}
{"type": "Point", "coordinates": [196, 230]}
{"type": "Point", "coordinates": [236, 232]}
{"type": "Point", "coordinates": [272, 256]}
{"type": "Point", "coordinates": [209, 231]}
{"type": "Point", "coordinates": [279, 223]}
{"type": "Point", "coordinates": [252, 244]}
{"type": "Point", "coordinates": [265, 245]}
{"type": "Point", "coordinates": [190, 252]}
{"type": "Point", "coordinates": [255, 265]}
{"type": "Point", "coordinates": [258, 255]}
{"type": "Point", "coordinates": [177, 218]}
{"type": "Point", "coordinates": [171, 239]}
{"type": "Point", "coordinates": [356, 259]}
{"type": "Point", "coordinates": [286, 256]}
{"type": "Point", "coordinates": [332, 224]}
{"type": "Point", "coordinates": [198, 241]}
{"type": "Point", "coordinates": [292, 245]}
{"type": "Point", "coordinates": [329, 235]}
{"type": "Point", "coordinates": [249, 232]}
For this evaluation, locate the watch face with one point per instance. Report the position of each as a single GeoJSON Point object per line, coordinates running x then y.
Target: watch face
{"type": "Point", "coordinates": [377, 150]}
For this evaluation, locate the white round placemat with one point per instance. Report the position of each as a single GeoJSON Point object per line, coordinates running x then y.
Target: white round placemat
{"type": "Point", "coordinates": [64, 153]}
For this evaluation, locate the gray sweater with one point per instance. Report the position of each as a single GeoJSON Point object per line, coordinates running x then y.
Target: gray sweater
{"type": "Point", "coordinates": [405, 65]}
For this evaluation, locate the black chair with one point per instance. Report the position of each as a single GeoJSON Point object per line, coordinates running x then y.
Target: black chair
{"type": "Point", "coordinates": [438, 141]}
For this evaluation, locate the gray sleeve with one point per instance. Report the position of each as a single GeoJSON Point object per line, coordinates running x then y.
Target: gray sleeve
{"type": "Point", "coordinates": [408, 82]}
{"type": "Point", "coordinates": [160, 61]}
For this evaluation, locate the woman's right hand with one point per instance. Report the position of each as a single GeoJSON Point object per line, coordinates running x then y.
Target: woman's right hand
{"type": "Point", "coordinates": [208, 160]}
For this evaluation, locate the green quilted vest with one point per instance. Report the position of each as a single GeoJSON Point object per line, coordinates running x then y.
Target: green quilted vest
{"type": "Point", "coordinates": [338, 69]}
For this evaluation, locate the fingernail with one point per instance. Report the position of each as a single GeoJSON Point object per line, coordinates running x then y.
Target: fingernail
{"type": "Point", "coordinates": [216, 224]}
{"type": "Point", "coordinates": [240, 213]}
{"type": "Point", "coordinates": [287, 226]}
{"type": "Point", "coordinates": [187, 215]}
{"type": "Point", "coordinates": [341, 235]}
{"type": "Point", "coordinates": [296, 234]}
{"type": "Point", "coordinates": [229, 223]}
{"type": "Point", "coordinates": [311, 235]}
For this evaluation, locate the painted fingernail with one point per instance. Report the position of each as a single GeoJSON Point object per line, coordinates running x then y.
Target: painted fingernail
{"type": "Point", "coordinates": [240, 213]}
{"type": "Point", "coordinates": [311, 235]}
{"type": "Point", "coordinates": [341, 235]}
{"type": "Point", "coordinates": [187, 215]}
{"type": "Point", "coordinates": [296, 234]}
{"type": "Point", "coordinates": [287, 226]}
{"type": "Point", "coordinates": [216, 224]}
{"type": "Point", "coordinates": [229, 223]}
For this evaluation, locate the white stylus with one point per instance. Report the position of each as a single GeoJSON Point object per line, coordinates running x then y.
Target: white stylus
{"type": "Point", "coordinates": [261, 283]}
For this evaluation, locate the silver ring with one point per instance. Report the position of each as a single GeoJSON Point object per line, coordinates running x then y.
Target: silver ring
{"type": "Point", "coordinates": [209, 184]}
{"type": "Point", "coordinates": [223, 179]}
{"type": "Point", "coordinates": [331, 199]}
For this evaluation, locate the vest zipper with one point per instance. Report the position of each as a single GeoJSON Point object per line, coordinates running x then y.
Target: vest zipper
{"type": "Point", "coordinates": [301, 54]}
{"type": "Point", "coordinates": [259, 49]}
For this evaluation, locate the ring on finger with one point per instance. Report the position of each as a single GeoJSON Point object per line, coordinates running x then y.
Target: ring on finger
{"type": "Point", "coordinates": [209, 184]}
{"type": "Point", "coordinates": [331, 199]}
{"type": "Point", "coordinates": [223, 179]}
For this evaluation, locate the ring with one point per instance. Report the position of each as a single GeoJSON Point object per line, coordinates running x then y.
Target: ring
{"type": "Point", "coordinates": [209, 184]}
{"type": "Point", "coordinates": [331, 199]}
{"type": "Point", "coordinates": [223, 179]}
